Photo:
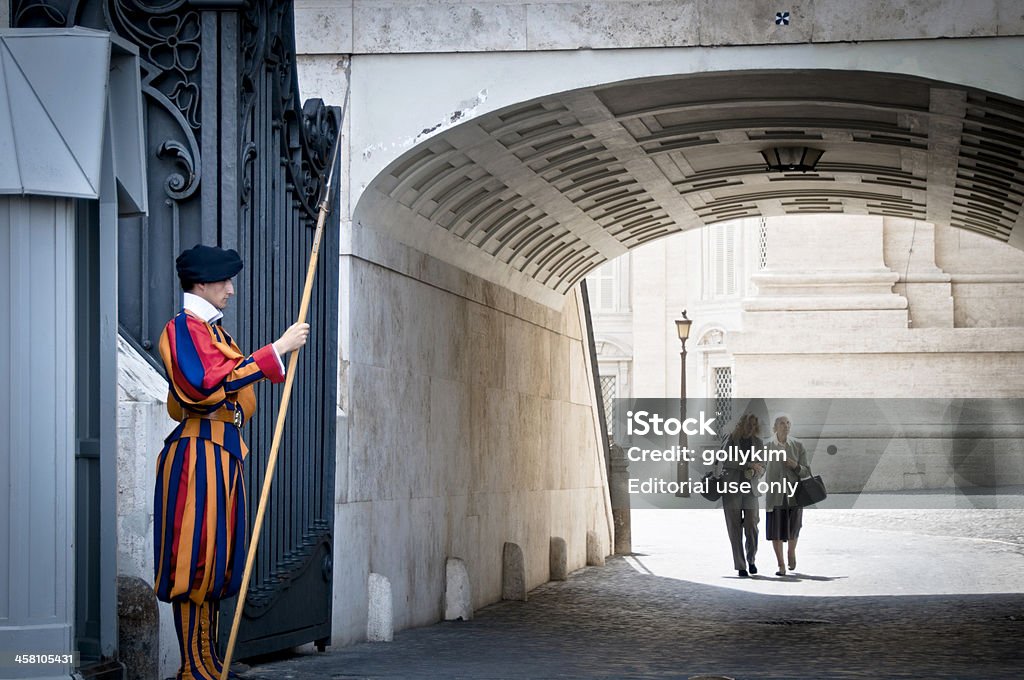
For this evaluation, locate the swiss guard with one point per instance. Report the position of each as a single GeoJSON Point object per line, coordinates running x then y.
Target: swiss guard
{"type": "Point", "coordinates": [199, 513]}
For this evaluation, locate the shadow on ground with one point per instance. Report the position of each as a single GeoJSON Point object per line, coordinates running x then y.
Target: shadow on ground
{"type": "Point", "coordinates": [613, 622]}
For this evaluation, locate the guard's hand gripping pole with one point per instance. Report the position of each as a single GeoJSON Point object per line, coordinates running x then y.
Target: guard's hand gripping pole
{"type": "Point", "coordinates": [282, 411]}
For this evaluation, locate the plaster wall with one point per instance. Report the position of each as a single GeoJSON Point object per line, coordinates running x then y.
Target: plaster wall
{"type": "Point", "coordinates": [468, 422]}
{"type": "Point", "coordinates": [465, 420]}
{"type": "Point", "coordinates": [655, 341]}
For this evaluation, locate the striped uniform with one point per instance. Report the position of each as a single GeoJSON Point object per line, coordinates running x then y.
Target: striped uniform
{"type": "Point", "coordinates": [199, 522]}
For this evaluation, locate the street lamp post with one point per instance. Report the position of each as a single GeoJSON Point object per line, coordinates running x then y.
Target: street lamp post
{"type": "Point", "coordinates": [682, 467]}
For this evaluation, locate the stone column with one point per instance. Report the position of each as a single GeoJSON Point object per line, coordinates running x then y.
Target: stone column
{"type": "Point", "coordinates": [910, 252]}
{"type": "Point", "coordinates": [824, 271]}
{"type": "Point", "coordinates": [619, 489]}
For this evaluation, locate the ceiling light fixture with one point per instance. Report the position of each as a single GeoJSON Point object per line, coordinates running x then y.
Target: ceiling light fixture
{"type": "Point", "coordinates": [791, 158]}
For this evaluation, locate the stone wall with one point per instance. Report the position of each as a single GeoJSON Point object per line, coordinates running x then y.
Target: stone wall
{"type": "Point", "coordinates": [987, 280]}
{"type": "Point", "coordinates": [875, 315]}
{"type": "Point", "coordinates": [409, 26]}
{"type": "Point", "coordinates": [899, 309]}
{"type": "Point", "coordinates": [468, 423]}
{"type": "Point", "coordinates": [142, 424]}
{"type": "Point", "coordinates": [835, 317]}
{"type": "Point", "coordinates": [847, 307]}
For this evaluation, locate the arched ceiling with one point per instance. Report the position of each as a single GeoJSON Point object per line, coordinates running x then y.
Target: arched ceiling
{"type": "Point", "coordinates": [550, 189]}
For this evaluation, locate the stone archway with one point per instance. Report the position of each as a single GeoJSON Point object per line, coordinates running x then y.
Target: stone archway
{"type": "Point", "coordinates": [535, 195]}
{"type": "Point", "coordinates": [467, 386]}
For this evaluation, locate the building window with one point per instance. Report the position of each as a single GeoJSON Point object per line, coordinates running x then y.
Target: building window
{"type": "Point", "coordinates": [721, 275]}
{"type": "Point", "coordinates": [608, 288]}
{"type": "Point", "coordinates": [722, 390]}
{"type": "Point", "coordinates": [762, 244]}
{"type": "Point", "coordinates": [609, 392]}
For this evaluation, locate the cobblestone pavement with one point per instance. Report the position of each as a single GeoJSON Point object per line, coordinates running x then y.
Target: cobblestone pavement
{"type": "Point", "coordinates": [1002, 525]}
{"type": "Point", "coordinates": [898, 594]}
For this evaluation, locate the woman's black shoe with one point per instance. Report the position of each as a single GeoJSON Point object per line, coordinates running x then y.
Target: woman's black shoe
{"type": "Point", "coordinates": [753, 568]}
{"type": "Point", "coordinates": [743, 573]}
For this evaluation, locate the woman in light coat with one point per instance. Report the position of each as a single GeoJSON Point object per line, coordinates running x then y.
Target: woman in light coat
{"type": "Point", "coordinates": [784, 519]}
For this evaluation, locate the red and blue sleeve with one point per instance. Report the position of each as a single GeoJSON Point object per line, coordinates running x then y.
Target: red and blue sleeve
{"type": "Point", "coordinates": [203, 367]}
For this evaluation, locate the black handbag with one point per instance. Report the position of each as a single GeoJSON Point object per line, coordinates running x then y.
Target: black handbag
{"type": "Point", "coordinates": [809, 491]}
{"type": "Point", "coordinates": [710, 487]}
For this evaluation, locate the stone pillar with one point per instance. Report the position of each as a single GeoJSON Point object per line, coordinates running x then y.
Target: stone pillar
{"type": "Point", "coordinates": [619, 490]}
{"type": "Point", "coordinates": [380, 620]}
{"type": "Point", "coordinates": [558, 559]}
{"type": "Point", "coordinates": [458, 595]}
{"type": "Point", "coordinates": [595, 550]}
{"type": "Point", "coordinates": [910, 252]}
{"type": "Point", "coordinates": [812, 281]}
{"type": "Point", "coordinates": [513, 573]}
{"type": "Point", "coordinates": [138, 632]}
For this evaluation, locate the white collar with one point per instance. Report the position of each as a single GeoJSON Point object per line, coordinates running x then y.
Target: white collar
{"type": "Point", "coordinates": [201, 308]}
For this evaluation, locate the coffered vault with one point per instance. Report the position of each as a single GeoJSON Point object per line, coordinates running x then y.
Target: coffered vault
{"type": "Point", "coordinates": [549, 189]}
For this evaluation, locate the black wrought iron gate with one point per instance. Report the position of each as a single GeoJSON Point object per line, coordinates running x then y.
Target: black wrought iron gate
{"type": "Point", "coordinates": [235, 159]}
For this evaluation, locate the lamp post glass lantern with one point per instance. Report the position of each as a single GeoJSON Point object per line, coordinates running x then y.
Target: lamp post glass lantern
{"type": "Point", "coordinates": [683, 329]}
{"type": "Point", "coordinates": [682, 467]}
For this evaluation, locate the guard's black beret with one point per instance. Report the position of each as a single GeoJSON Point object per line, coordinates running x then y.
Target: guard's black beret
{"type": "Point", "coordinates": [206, 264]}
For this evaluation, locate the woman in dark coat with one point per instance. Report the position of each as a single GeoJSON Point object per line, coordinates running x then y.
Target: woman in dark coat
{"type": "Point", "coordinates": [741, 509]}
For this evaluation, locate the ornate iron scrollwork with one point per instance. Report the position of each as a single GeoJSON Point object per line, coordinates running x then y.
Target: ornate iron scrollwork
{"type": "Point", "coordinates": [253, 40]}
{"type": "Point", "coordinates": [36, 13]}
{"type": "Point", "coordinates": [308, 132]}
{"type": "Point", "coordinates": [249, 155]}
{"type": "Point", "coordinates": [179, 186]}
{"type": "Point", "coordinates": [266, 160]}
{"type": "Point", "coordinates": [169, 41]}
{"type": "Point", "coordinates": [319, 132]}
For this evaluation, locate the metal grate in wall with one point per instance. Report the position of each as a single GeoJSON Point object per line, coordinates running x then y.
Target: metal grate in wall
{"type": "Point", "coordinates": [609, 390]}
{"type": "Point", "coordinates": [762, 244]}
{"type": "Point", "coordinates": [723, 392]}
